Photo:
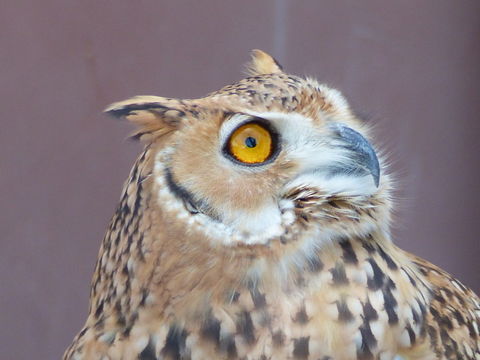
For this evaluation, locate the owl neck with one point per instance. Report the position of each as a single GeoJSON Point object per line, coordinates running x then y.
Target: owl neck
{"type": "Point", "coordinates": [145, 263]}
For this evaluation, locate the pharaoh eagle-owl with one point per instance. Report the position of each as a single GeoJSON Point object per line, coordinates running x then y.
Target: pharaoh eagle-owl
{"type": "Point", "coordinates": [255, 225]}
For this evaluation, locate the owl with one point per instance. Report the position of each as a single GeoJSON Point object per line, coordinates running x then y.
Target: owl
{"type": "Point", "coordinates": [255, 224]}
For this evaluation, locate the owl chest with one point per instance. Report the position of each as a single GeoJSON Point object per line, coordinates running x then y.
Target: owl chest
{"type": "Point", "coordinates": [332, 309]}
{"type": "Point", "coordinates": [259, 325]}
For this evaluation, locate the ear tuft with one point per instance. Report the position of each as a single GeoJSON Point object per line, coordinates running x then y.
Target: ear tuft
{"type": "Point", "coordinates": [263, 63]}
{"type": "Point", "coordinates": [154, 116]}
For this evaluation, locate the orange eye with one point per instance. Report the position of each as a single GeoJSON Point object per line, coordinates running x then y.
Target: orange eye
{"type": "Point", "coordinates": [251, 143]}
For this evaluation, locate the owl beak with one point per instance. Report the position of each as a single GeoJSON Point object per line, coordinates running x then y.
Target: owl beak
{"type": "Point", "coordinates": [363, 156]}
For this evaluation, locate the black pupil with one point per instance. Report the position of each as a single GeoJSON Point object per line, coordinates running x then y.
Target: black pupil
{"type": "Point", "coordinates": [250, 142]}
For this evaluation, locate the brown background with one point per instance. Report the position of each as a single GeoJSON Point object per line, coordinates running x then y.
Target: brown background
{"type": "Point", "coordinates": [412, 67]}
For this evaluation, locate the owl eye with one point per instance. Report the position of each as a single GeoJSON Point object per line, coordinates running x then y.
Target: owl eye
{"type": "Point", "coordinates": [252, 143]}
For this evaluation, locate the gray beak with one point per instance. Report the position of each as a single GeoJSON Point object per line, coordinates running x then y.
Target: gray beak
{"type": "Point", "coordinates": [364, 158]}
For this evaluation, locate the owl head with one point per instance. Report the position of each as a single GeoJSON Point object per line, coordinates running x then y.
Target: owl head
{"type": "Point", "coordinates": [272, 159]}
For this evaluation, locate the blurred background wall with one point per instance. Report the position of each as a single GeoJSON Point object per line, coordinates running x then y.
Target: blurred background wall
{"type": "Point", "coordinates": [412, 69]}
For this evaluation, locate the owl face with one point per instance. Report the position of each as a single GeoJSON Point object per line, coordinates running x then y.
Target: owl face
{"type": "Point", "coordinates": [270, 158]}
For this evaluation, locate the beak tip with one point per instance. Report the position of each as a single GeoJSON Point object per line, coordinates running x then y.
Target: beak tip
{"type": "Point", "coordinates": [364, 151]}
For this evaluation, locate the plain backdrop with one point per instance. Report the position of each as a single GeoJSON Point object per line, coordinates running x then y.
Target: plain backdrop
{"type": "Point", "coordinates": [411, 68]}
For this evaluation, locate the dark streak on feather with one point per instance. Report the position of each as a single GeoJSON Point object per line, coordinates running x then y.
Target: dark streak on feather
{"type": "Point", "coordinates": [148, 353]}
{"type": "Point", "coordinates": [300, 347]}
{"type": "Point", "coordinates": [339, 276]}
{"type": "Point", "coordinates": [227, 345]}
{"type": "Point", "coordinates": [376, 282]}
{"type": "Point", "coordinates": [211, 330]}
{"type": "Point", "coordinates": [301, 316]}
{"type": "Point", "coordinates": [245, 327]}
{"type": "Point", "coordinates": [369, 313]}
{"type": "Point", "coordinates": [390, 263]}
{"type": "Point", "coordinates": [344, 313]}
{"type": "Point", "coordinates": [278, 338]}
{"type": "Point", "coordinates": [349, 255]}
{"type": "Point", "coordinates": [175, 344]}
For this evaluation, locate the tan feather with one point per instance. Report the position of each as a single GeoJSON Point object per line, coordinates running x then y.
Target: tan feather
{"type": "Point", "coordinates": [154, 116]}
{"type": "Point", "coordinates": [262, 63]}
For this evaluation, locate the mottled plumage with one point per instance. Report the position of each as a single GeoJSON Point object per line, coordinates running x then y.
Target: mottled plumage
{"type": "Point", "coordinates": [207, 257]}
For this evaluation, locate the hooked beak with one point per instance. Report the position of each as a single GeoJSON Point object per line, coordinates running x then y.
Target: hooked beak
{"type": "Point", "coordinates": [363, 156]}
